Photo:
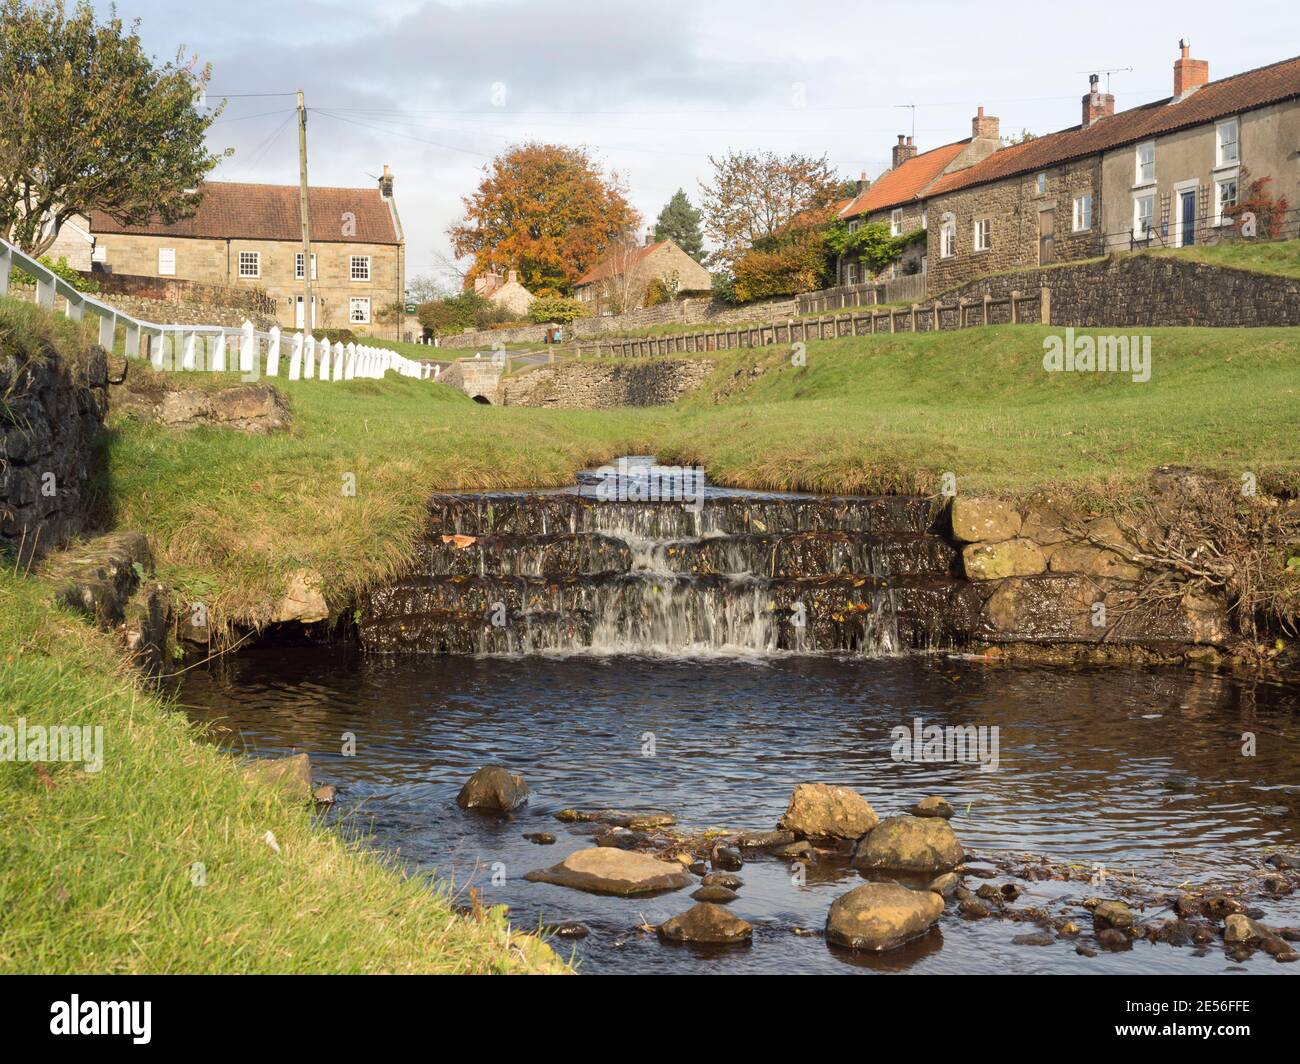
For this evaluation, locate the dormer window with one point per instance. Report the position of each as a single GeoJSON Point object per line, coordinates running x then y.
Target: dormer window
{"type": "Point", "coordinates": [1146, 163]}
{"type": "Point", "coordinates": [1226, 148]}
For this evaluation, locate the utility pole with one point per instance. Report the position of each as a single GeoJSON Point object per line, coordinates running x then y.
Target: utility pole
{"type": "Point", "coordinates": [308, 309]}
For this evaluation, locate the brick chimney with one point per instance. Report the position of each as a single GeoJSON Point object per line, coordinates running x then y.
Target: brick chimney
{"type": "Point", "coordinates": [1096, 104]}
{"type": "Point", "coordinates": [984, 127]}
{"type": "Point", "coordinates": [903, 150]}
{"type": "Point", "coordinates": [386, 183]}
{"type": "Point", "coordinates": [862, 182]}
{"type": "Point", "coordinates": [649, 237]}
{"type": "Point", "coordinates": [1189, 74]}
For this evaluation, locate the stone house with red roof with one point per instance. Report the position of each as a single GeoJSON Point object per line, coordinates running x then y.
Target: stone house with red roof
{"type": "Point", "coordinates": [250, 235]}
{"type": "Point", "coordinates": [619, 282]}
{"type": "Point", "coordinates": [1161, 174]}
{"type": "Point", "coordinates": [897, 197]}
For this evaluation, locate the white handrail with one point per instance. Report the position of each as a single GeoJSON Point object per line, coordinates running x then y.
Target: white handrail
{"type": "Point", "coordinates": [258, 352]}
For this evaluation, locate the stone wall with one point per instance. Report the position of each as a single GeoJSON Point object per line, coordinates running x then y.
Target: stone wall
{"type": "Point", "coordinates": [683, 311]}
{"type": "Point", "coordinates": [51, 415]}
{"type": "Point", "coordinates": [589, 385]}
{"type": "Point", "coordinates": [165, 311]}
{"type": "Point", "coordinates": [1150, 291]}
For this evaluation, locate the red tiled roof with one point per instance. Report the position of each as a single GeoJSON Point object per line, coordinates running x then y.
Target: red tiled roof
{"type": "Point", "coordinates": [608, 267]}
{"type": "Point", "coordinates": [904, 184]}
{"type": "Point", "coordinates": [236, 211]}
{"type": "Point", "coordinates": [1217, 99]}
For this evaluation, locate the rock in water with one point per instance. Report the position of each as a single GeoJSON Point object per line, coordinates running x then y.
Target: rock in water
{"type": "Point", "coordinates": [932, 806]}
{"type": "Point", "coordinates": [909, 844]}
{"type": "Point", "coordinates": [1112, 914]}
{"type": "Point", "coordinates": [606, 870]}
{"type": "Point", "coordinates": [715, 893]}
{"type": "Point", "coordinates": [821, 811]}
{"type": "Point", "coordinates": [292, 775]}
{"type": "Point", "coordinates": [706, 922]}
{"type": "Point", "coordinates": [493, 788]}
{"type": "Point", "coordinates": [880, 916]}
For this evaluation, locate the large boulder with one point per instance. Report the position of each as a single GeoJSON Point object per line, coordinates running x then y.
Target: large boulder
{"type": "Point", "coordinates": [983, 520]}
{"type": "Point", "coordinates": [607, 870]}
{"type": "Point", "coordinates": [880, 916]}
{"type": "Point", "coordinates": [493, 788]}
{"type": "Point", "coordinates": [291, 776]}
{"type": "Point", "coordinates": [909, 844]}
{"type": "Point", "coordinates": [823, 811]}
{"type": "Point", "coordinates": [706, 922]}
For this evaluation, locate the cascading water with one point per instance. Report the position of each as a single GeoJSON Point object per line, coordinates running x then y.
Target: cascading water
{"type": "Point", "coordinates": [739, 573]}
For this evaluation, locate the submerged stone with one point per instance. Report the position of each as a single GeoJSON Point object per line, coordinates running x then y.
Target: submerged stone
{"type": "Point", "coordinates": [493, 788]}
{"type": "Point", "coordinates": [707, 923]}
{"type": "Point", "coordinates": [881, 916]}
{"type": "Point", "coordinates": [606, 870]}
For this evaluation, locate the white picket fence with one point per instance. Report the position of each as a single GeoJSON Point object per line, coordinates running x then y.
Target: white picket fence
{"type": "Point", "coordinates": [215, 348]}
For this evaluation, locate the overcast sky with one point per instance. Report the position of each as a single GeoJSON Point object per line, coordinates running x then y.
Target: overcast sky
{"type": "Point", "coordinates": [435, 88]}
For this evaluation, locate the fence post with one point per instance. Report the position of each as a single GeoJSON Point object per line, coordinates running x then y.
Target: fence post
{"type": "Point", "coordinates": [1014, 296]}
{"type": "Point", "coordinates": [337, 369]}
{"type": "Point", "coordinates": [350, 362]}
{"type": "Point", "coordinates": [273, 353]}
{"type": "Point", "coordinates": [987, 300]}
{"type": "Point", "coordinates": [1045, 306]}
{"type": "Point", "coordinates": [309, 353]}
{"type": "Point", "coordinates": [247, 354]}
{"type": "Point", "coordinates": [187, 359]}
{"type": "Point", "coordinates": [323, 365]}
{"type": "Point", "coordinates": [295, 358]}
{"type": "Point", "coordinates": [6, 264]}
{"type": "Point", "coordinates": [132, 340]}
{"type": "Point", "coordinates": [107, 331]}
{"type": "Point", "coordinates": [156, 349]}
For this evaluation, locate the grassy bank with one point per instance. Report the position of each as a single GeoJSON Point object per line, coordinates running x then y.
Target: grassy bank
{"type": "Point", "coordinates": [232, 514]}
{"type": "Point", "coordinates": [97, 869]}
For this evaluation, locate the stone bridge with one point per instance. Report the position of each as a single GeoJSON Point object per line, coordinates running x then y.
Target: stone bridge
{"type": "Point", "coordinates": [480, 379]}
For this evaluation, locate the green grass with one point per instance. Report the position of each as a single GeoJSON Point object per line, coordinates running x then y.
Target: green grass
{"type": "Point", "coordinates": [97, 869]}
{"type": "Point", "coordinates": [1278, 257]}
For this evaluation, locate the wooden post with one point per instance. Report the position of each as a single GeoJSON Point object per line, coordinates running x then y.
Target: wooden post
{"type": "Point", "coordinates": [308, 309]}
{"type": "Point", "coordinates": [987, 300]}
{"type": "Point", "coordinates": [6, 264]}
{"type": "Point", "coordinates": [1014, 296]}
{"type": "Point", "coordinates": [913, 317]}
{"type": "Point", "coordinates": [1045, 306]}
{"type": "Point", "coordinates": [936, 322]}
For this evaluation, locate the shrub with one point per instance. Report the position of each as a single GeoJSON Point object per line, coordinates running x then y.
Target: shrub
{"type": "Point", "coordinates": [62, 269]}
{"type": "Point", "coordinates": [558, 309]}
{"type": "Point", "coordinates": [797, 263]}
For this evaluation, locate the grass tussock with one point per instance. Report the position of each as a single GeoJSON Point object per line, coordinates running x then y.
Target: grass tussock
{"type": "Point", "coordinates": [98, 870]}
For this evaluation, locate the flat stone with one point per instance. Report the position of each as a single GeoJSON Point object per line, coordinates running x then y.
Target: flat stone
{"type": "Point", "coordinates": [997, 561]}
{"type": "Point", "coordinates": [983, 520]}
{"type": "Point", "coordinates": [290, 775]}
{"type": "Point", "coordinates": [909, 844]}
{"type": "Point", "coordinates": [1091, 561]}
{"type": "Point", "coordinates": [707, 923]}
{"type": "Point", "coordinates": [567, 929]}
{"type": "Point", "coordinates": [1112, 914]}
{"type": "Point", "coordinates": [637, 820]}
{"type": "Point", "coordinates": [718, 894]}
{"type": "Point", "coordinates": [493, 788]}
{"type": "Point", "coordinates": [945, 885]}
{"type": "Point", "coordinates": [764, 840]}
{"type": "Point", "coordinates": [606, 870]}
{"type": "Point", "coordinates": [820, 810]}
{"type": "Point", "coordinates": [723, 879]}
{"type": "Point", "coordinates": [881, 916]}
{"type": "Point", "coordinates": [541, 838]}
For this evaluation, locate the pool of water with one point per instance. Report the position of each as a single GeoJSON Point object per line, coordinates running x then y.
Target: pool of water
{"type": "Point", "coordinates": [1141, 771]}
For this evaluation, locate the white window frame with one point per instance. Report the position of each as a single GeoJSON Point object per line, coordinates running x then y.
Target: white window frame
{"type": "Point", "coordinates": [255, 260]}
{"type": "Point", "coordinates": [1220, 142]}
{"type": "Point", "coordinates": [982, 234]}
{"type": "Point", "coordinates": [359, 268]}
{"type": "Point", "coordinates": [1140, 165]}
{"type": "Point", "coordinates": [1083, 213]}
{"type": "Point", "coordinates": [297, 266]}
{"type": "Point", "coordinates": [896, 223]}
{"type": "Point", "coordinates": [355, 303]}
{"type": "Point", "coordinates": [1229, 179]}
{"type": "Point", "coordinates": [948, 240]}
{"type": "Point", "coordinates": [1040, 183]}
{"type": "Point", "coordinates": [925, 219]}
{"type": "Point", "coordinates": [1139, 232]}
{"type": "Point", "coordinates": [166, 262]}
{"type": "Point", "coordinates": [850, 273]}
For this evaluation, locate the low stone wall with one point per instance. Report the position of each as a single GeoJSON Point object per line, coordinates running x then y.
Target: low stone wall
{"type": "Point", "coordinates": [596, 385]}
{"type": "Point", "coordinates": [1149, 291]}
{"type": "Point", "coordinates": [51, 415]}
{"type": "Point", "coordinates": [165, 311]}
{"type": "Point", "coordinates": [683, 311]}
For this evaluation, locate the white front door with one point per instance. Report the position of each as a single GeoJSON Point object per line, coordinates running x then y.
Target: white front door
{"type": "Point", "coordinates": [299, 320]}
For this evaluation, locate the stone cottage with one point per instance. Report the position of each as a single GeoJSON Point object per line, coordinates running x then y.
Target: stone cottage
{"type": "Point", "coordinates": [508, 294]}
{"type": "Point", "coordinates": [897, 197]}
{"type": "Point", "coordinates": [250, 235]}
{"type": "Point", "coordinates": [1161, 174]}
{"type": "Point", "coordinates": [620, 281]}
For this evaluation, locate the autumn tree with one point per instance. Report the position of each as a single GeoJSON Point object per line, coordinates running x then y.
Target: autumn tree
{"type": "Point", "coordinates": [89, 121]}
{"type": "Point", "coordinates": [547, 211]}
{"type": "Point", "coordinates": [755, 196]}
{"type": "Point", "coordinates": [680, 223]}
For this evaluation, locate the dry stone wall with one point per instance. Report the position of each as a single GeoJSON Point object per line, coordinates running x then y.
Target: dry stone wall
{"type": "Point", "coordinates": [595, 385]}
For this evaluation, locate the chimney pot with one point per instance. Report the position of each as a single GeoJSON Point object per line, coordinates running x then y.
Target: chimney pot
{"type": "Point", "coordinates": [984, 127]}
{"type": "Point", "coordinates": [903, 150]}
{"type": "Point", "coordinates": [1096, 104]}
{"type": "Point", "coordinates": [386, 183]}
{"type": "Point", "coordinates": [1189, 74]}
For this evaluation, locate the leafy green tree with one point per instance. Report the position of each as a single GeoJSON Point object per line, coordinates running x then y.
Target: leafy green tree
{"type": "Point", "coordinates": [680, 223]}
{"type": "Point", "coordinates": [558, 309]}
{"type": "Point", "coordinates": [89, 121]}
